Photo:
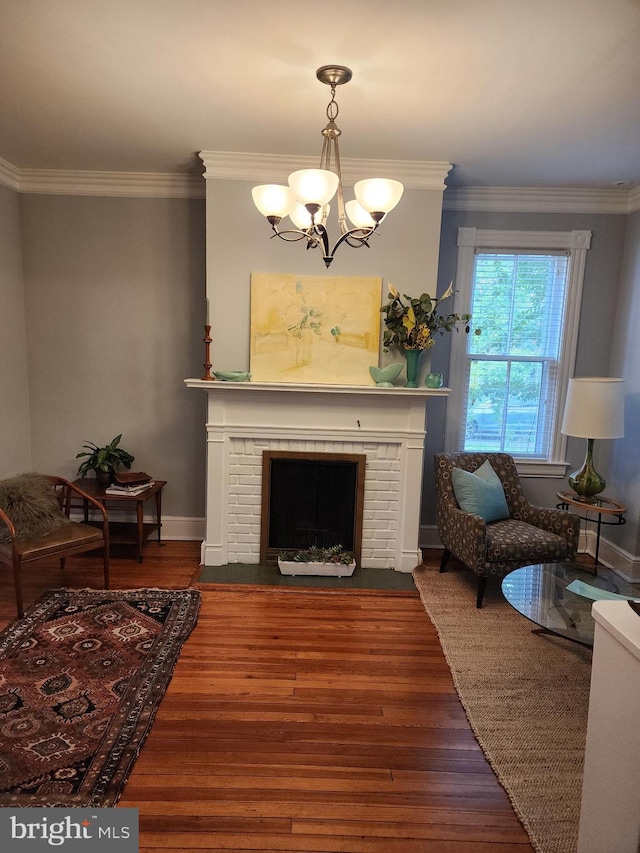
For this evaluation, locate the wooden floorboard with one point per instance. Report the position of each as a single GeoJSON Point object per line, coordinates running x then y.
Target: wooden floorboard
{"type": "Point", "coordinates": [301, 721]}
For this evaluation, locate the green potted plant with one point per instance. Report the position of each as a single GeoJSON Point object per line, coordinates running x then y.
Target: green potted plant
{"type": "Point", "coordinates": [334, 561]}
{"type": "Point", "coordinates": [411, 325]}
{"type": "Point", "coordinates": [105, 461]}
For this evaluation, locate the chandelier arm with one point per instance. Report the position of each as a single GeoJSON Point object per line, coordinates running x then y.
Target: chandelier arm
{"type": "Point", "coordinates": [321, 231]}
{"type": "Point", "coordinates": [342, 219]}
{"type": "Point", "coordinates": [355, 241]}
{"type": "Point", "coordinates": [299, 235]}
{"type": "Point", "coordinates": [354, 234]}
{"type": "Point", "coordinates": [325, 155]}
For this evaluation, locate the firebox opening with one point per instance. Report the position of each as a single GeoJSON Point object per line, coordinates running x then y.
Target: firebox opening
{"type": "Point", "coordinates": [311, 499]}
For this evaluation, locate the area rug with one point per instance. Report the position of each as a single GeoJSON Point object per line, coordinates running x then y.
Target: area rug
{"type": "Point", "coordinates": [81, 678]}
{"type": "Point", "coordinates": [526, 698]}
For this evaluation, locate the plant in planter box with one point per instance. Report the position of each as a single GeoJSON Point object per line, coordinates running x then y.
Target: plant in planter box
{"type": "Point", "coordinates": [105, 461]}
{"type": "Point", "coordinates": [333, 561]}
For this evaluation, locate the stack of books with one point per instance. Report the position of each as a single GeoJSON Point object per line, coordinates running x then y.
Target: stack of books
{"type": "Point", "coordinates": [130, 483]}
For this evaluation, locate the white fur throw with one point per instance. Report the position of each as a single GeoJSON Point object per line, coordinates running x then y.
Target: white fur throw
{"type": "Point", "coordinates": [32, 506]}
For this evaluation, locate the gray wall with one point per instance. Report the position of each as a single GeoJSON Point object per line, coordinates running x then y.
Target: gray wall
{"type": "Point", "coordinates": [114, 292]}
{"type": "Point", "coordinates": [404, 251]}
{"type": "Point", "coordinates": [15, 447]}
{"type": "Point", "coordinates": [621, 458]}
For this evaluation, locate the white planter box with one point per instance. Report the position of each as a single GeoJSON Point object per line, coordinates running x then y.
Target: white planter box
{"type": "Point", "coordinates": [337, 570]}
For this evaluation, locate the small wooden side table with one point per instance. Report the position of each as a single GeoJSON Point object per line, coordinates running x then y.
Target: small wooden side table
{"type": "Point", "coordinates": [123, 532]}
{"type": "Point", "coordinates": [607, 510]}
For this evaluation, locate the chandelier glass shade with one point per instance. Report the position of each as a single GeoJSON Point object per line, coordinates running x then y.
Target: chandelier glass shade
{"type": "Point", "coordinates": [306, 198]}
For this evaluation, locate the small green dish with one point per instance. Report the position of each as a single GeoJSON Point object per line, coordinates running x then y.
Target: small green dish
{"type": "Point", "coordinates": [232, 375]}
{"type": "Point", "coordinates": [384, 376]}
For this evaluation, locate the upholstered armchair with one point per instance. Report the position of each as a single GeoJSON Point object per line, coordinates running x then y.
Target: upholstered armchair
{"type": "Point", "coordinates": [530, 534]}
{"type": "Point", "coordinates": [35, 523]}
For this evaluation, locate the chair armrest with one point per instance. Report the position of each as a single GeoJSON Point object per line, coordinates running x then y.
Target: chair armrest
{"type": "Point", "coordinates": [4, 518]}
{"type": "Point", "coordinates": [559, 521]}
{"type": "Point", "coordinates": [76, 490]}
{"type": "Point", "coordinates": [463, 534]}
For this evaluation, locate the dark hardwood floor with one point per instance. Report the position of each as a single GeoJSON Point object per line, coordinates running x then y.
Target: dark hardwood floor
{"type": "Point", "coordinates": [301, 720]}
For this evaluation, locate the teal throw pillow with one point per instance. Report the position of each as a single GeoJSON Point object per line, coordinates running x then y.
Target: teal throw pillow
{"type": "Point", "coordinates": [480, 492]}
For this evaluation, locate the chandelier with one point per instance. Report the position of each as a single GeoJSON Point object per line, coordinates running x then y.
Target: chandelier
{"type": "Point", "coordinates": [306, 199]}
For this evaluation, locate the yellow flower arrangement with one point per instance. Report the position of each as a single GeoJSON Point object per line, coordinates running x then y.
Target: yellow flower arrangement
{"type": "Point", "coordinates": [412, 324]}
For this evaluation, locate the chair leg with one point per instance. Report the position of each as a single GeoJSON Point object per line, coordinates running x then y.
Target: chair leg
{"type": "Point", "coordinates": [106, 566]}
{"type": "Point", "coordinates": [482, 584]}
{"type": "Point", "coordinates": [445, 559]}
{"type": "Point", "coordinates": [17, 583]}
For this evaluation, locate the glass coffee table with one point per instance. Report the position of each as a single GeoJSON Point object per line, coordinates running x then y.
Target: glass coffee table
{"type": "Point", "coordinates": [540, 593]}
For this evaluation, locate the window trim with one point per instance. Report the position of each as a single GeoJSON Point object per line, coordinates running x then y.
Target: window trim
{"type": "Point", "coordinates": [469, 240]}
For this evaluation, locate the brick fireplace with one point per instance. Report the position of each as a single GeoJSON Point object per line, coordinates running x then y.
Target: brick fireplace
{"type": "Point", "coordinates": [385, 425]}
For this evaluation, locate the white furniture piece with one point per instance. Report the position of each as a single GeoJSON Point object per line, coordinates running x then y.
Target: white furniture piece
{"type": "Point", "coordinates": [610, 810]}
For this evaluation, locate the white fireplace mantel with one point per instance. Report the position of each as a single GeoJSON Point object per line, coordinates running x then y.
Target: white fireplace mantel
{"type": "Point", "coordinates": [388, 425]}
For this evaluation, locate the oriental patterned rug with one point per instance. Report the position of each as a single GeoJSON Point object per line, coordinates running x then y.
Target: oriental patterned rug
{"type": "Point", "coordinates": [81, 678]}
{"type": "Point", "coordinates": [526, 697]}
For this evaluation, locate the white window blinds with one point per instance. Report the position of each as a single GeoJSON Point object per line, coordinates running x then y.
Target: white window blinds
{"type": "Point", "coordinates": [518, 300]}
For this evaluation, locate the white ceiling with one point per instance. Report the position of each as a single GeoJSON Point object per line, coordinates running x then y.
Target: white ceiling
{"type": "Point", "coordinates": [514, 93]}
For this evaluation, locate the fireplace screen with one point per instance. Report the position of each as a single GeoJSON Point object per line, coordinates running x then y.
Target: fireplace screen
{"type": "Point", "coordinates": [311, 499]}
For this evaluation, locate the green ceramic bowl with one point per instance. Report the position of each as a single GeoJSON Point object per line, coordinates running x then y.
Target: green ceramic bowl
{"type": "Point", "coordinates": [385, 376]}
{"type": "Point", "coordinates": [232, 375]}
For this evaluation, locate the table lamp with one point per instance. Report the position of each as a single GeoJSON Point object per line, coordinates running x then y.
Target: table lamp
{"type": "Point", "coordinates": [594, 408]}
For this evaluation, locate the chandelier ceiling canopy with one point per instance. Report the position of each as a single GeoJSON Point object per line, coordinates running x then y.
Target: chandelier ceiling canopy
{"type": "Point", "coordinates": [306, 198]}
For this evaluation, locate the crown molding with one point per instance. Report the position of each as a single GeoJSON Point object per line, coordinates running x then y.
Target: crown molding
{"type": "Point", "coordinates": [224, 165]}
{"type": "Point", "coordinates": [124, 184]}
{"type": "Point", "coordinates": [274, 168]}
{"type": "Point", "coordinates": [9, 174]}
{"type": "Point", "coordinates": [542, 199]}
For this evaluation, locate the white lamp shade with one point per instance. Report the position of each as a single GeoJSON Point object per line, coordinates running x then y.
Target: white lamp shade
{"type": "Point", "coordinates": [302, 218]}
{"type": "Point", "coordinates": [313, 186]}
{"type": "Point", "coordinates": [358, 215]}
{"type": "Point", "coordinates": [273, 200]}
{"type": "Point", "coordinates": [594, 408]}
{"type": "Point", "coordinates": [378, 195]}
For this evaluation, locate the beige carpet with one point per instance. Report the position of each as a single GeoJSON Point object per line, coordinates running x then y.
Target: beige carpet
{"type": "Point", "coordinates": [526, 697]}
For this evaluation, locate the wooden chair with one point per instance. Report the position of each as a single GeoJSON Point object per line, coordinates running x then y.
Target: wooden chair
{"type": "Point", "coordinates": [69, 538]}
{"type": "Point", "coordinates": [531, 534]}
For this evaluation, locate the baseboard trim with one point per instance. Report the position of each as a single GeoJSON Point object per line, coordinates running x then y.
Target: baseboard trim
{"type": "Point", "coordinates": [614, 557]}
{"type": "Point", "coordinates": [173, 526]}
{"type": "Point", "coordinates": [429, 537]}
{"type": "Point", "coordinates": [176, 527]}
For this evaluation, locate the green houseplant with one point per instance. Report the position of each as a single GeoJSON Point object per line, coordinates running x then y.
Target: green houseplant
{"type": "Point", "coordinates": [105, 461]}
{"type": "Point", "coordinates": [317, 561]}
{"type": "Point", "coordinates": [411, 325]}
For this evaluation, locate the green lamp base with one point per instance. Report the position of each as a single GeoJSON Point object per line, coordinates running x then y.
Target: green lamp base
{"type": "Point", "coordinates": [586, 482]}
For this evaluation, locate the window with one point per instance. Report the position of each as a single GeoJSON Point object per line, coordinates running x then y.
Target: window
{"type": "Point", "coordinates": [523, 290]}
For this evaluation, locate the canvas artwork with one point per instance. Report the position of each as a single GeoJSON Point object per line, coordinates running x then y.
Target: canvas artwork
{"type": "Point", "coordinates": [314, 329]}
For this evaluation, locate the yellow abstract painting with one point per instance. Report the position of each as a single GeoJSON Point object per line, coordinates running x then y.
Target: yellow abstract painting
{"type": "Point", "coordinates": [314, 329]}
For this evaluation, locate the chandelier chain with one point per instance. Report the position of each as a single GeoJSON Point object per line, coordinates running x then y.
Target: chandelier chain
{"type": "Point", "coordinates": [332, 107]}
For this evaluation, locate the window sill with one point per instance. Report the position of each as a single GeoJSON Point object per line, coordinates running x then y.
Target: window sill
{"type": "Point", "coordinates": [541, 468]}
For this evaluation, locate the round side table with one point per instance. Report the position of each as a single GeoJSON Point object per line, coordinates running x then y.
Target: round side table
{"type": "Point", "coordinates": [607, 510]}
